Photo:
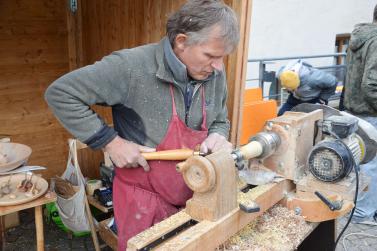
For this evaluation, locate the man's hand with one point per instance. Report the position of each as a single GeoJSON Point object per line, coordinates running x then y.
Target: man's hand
{"type": "Point", "coordinates": [215, 142]}
{"type": "Point", "coordinates": [127, 154]}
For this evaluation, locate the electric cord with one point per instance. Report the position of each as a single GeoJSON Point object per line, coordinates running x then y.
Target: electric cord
{"type": "Point", "coordinates": [356, 168]}
{"type": "Point", "coordinates": [358, 233]}
{"type": "Point", "coordinates": [353, 209]}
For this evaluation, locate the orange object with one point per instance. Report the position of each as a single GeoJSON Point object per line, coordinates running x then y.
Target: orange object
{"type": "Point", "coordinates": [253, 94]}
{"type": "Point", "coordinates": [256, 112]}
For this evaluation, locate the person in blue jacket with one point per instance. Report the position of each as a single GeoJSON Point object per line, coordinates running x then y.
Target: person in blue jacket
{"type": "Point", "coordinates": [305, 84]}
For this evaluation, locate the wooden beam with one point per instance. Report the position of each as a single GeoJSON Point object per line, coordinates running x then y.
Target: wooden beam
{"type": "Point", "coordinates": [75, 42]}
{"type": "Point", "coordinates": [236, 66]}
{"type": "Point", "coordinates": [208, 235]}
{"type": "Point", "coordinates": [160, 229]}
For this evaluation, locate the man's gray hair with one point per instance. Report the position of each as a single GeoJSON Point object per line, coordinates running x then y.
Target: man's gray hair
{"type": "Point", "coordinates": [197, 18]}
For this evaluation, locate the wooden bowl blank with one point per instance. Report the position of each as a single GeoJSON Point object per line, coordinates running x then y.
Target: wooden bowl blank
{"type": "Point", "coordinates": [16, 154]}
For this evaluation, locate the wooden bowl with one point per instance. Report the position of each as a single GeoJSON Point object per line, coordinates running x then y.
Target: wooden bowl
{"type": "Point", "coordinates": [15, 180]}
{"type": "Point", "coordinates": [16, 154]}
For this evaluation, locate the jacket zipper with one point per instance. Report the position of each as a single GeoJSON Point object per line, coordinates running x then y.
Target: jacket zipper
{"type": "Point", "coordinates": [187, 111]}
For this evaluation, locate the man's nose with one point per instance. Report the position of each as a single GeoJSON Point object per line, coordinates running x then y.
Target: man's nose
{"type": "Point", "coordinates": [217, 64]}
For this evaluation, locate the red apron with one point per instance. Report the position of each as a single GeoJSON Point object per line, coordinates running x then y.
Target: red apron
{"type": "Point", "coordinates": [142, 199]}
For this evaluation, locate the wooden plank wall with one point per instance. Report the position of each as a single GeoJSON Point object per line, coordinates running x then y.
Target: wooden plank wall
{"type": "Point", "coordinates": [236, 67]}
{"type": "Point", "coordinates": [33, 53]}
{"type": "Point", "coordinates": [120, 24]}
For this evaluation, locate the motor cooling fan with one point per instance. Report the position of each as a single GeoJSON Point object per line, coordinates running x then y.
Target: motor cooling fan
{"type": "Point", "coordinates": [333, 158]}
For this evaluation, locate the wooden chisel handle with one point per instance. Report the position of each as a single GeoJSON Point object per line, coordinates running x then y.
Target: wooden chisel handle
{"type": "Point", "coordinates": [178, 154]}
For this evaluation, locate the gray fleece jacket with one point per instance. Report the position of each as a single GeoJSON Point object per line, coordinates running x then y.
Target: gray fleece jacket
{"type": "Point", "coordinates": [135, 83]}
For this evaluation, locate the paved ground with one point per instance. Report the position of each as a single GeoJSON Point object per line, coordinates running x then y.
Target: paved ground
{"type": "Point", "coordinates": [357, 242]}
{"type": "Point", "coordinates": [23, 237]}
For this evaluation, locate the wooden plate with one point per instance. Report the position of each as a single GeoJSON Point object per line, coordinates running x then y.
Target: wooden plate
{"type": "Point", "coordinates": [16, 179]}
{"type": "Point", "coordinates": [17, 154]}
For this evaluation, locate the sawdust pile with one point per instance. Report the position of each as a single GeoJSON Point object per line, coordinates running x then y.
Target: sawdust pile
{"type": "Point", "coordinates": [276, 230]}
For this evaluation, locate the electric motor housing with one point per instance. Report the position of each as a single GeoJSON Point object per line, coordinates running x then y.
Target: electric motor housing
{"type": "Point", "coordinates": [333, 158]}
{"type": "Point", "coordinates": [330, 161]}
{"type": "Point", "coordinates": [340, 126]}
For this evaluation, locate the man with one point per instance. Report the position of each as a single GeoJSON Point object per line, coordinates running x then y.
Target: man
{"type": "Point", "coordinates": [360, 99]}
{"type": "Point", "coordinates": [164, 96]}
{"type": "Point", "coordinates": [305, 84]}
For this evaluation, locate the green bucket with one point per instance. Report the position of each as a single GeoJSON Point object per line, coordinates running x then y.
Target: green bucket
{"type": "Point", "coordinates": [53, 214]}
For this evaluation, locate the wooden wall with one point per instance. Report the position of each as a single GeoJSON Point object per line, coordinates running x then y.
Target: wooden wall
{"type": "Point", "coordinates": [33, 53]}
{"type": "Point", "coordinates": [118, 24]}
{"type": "Point", "coordinates": [41, 39]}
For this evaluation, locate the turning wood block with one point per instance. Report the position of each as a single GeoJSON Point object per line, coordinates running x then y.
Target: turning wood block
{"type": "Point", "coordinates": [213, 180]}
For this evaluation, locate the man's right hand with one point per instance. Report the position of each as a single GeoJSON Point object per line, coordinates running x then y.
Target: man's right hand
{"type": "Point", "coordinates": [127, 154]}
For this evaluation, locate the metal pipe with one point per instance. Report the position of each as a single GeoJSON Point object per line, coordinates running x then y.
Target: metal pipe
{"type": "Point", "coordinates": [343, 54]}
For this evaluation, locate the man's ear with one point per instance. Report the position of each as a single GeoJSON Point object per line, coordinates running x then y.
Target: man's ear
{"type": "Point", "coordinates": [180, 42]}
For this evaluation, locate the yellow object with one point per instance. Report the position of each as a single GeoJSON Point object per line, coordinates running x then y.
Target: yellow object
{"type": "Point", "coordinates": [289, 80]}
{"type": "Point", "coordinates": [92, 185]}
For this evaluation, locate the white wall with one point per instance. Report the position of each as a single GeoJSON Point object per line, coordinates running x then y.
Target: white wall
{"type": "Point", "coordinates": [281, 28]}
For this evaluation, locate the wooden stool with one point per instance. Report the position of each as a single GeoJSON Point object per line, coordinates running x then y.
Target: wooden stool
{"type": "Point", "coordinates": [37, 205]}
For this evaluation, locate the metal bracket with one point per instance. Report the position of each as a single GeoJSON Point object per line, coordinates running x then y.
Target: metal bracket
{"type": "Point", "coordinates": [73, 5]}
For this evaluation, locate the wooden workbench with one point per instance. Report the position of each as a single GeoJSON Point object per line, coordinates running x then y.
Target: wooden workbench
{"type": "Point", "coordinates": [37, 205]}
{"type": "Point", "coordinates": [319, 236]}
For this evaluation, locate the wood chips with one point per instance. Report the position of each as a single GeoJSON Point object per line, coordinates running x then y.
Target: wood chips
{"type": "Point", "coordinates": [277, 229]}
{"type": "Point", "coordinates": [63, 188]}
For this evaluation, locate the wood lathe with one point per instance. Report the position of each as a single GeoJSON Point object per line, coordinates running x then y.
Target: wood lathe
{"type": "Point", "coordinates": [220, 208]}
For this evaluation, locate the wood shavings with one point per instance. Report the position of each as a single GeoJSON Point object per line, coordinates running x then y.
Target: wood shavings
{"type": "Point", "coordinates": [276, 230]}
{"type": "Point", "coordinates": [246, 199]}
{"type": "Point", "coordinates": [63, 187]}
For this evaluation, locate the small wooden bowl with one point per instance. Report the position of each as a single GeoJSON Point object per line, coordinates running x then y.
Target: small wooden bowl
{"type": "Point", "coordinates": [17, 154]}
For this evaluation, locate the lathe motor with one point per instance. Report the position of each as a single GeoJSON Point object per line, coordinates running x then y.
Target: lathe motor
{"type": "Point", "coordinates": [334, 157]}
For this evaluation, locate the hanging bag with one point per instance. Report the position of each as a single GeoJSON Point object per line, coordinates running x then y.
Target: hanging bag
{"type": "Point", "coordinates": [72, 209]}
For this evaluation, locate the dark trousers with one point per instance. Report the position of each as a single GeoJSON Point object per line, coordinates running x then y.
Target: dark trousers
{"type": "Point", "coordinates": [292, 102]}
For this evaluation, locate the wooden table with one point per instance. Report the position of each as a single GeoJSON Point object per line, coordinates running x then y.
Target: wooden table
{"type": "Point", "coordinates": [37, 205]}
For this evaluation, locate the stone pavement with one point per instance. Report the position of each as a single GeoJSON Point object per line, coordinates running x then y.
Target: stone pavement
{"type": "Point", "coordinates": [23, 237]}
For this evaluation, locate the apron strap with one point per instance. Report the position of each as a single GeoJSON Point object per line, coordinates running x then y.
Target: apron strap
{"type": "Point", "coordinates": [204, 113]}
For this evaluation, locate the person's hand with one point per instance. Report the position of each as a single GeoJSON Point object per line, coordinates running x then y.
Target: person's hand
{"type": "Point", "coordinates": [127, 154]}
{"type": "Point", "coordinates": [215, 142]}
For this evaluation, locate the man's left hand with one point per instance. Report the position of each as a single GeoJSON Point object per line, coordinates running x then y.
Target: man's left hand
{"type": "Point", "coordinates": [215, 142]}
